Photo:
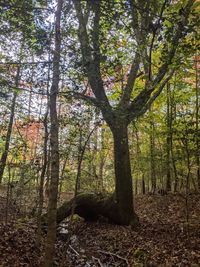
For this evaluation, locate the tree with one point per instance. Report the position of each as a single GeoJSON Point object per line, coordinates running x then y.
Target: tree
{"type": "Point", "coordinates": [54, 143]}
{"type": "Point", "coordinates": [169, 137]}
{"type": "Point", "coordinates": [9, 130]}
{"type": "Point", "coordinates": [152, 153]}
{"type": "Point", "coordinates": [149, 24]}
{"type": "Point", "coordinates": [20, 36]}
{"type": "Point", "coordinates": [197, 121]}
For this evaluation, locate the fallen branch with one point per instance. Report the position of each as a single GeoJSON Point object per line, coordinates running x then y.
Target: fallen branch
{"type": "Point", "coordinates": [77, 254]}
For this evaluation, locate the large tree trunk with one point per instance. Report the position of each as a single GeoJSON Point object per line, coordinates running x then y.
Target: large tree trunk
{"type": "Point", "coordinates": [123, 178]}
{"type": "Point", "coordinates": [117, 208]}
{"type": "Point", "coordinates": [90, 206]}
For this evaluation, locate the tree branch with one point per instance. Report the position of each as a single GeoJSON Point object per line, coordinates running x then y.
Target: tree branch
{"type": "Point", "coordinates": [131, 81]}
{"type": "Point", "coordinates": [153, 37]}
{"type": "Point", "coordinates": [174, 43]}
{"type": "Point", "coordinates": [139, 104]}
{"type": "Point", "coordinates": [91, 61]}
{"type": "Point", "coordinates": [89, 99]}
{"type": "Point", "coordinates": [140, 28]}
{"type": "Point", "coordinates": [144, 100]}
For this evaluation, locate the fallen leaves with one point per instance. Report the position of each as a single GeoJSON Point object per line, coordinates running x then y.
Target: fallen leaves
{"type": "Point", "coordinates": [18, 246]}
{"type": "Point", "coordinates": [164, 238]}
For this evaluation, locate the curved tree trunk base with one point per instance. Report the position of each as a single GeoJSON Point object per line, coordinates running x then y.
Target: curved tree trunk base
{"type": "Point", "coordinates": [91, 207]}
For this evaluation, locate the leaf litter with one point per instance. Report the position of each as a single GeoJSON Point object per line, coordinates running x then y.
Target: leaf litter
{"type": "Point", "coordinates": [164, 238]}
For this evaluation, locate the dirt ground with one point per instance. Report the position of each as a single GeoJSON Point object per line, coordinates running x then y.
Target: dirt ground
{"type": "Point", "coordinates": [164, 238]}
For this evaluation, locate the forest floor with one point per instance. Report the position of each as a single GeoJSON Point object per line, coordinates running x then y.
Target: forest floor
{"type": "Point", "coordinates": [164, 238]}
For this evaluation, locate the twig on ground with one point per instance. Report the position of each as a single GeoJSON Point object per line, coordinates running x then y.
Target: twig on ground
{"type": "Point", "coordinates": [116, 255]}
{"type": "Point", "coordinates": [77, 254]}
{"type": "Point", "coordinates": [98, 260]}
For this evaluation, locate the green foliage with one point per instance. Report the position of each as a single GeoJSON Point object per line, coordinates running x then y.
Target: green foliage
{"type": "Point", "coordinates": [27, 29]}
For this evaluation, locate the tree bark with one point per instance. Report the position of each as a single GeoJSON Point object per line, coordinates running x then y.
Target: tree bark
{"type": "Point", "coordinates": [90, 206]}
{"type": "Point", "coordinates": [127, 109]}
{"type": "Point", "coordinates": [54, 144]}
{"type": "Point", "coordinates": [197, 122]}
{"type": "Point", "coordinates": [123, 178]}
{"type": "Point", "coordinates": [143, 185]}
{"type": "Point", "coordinates": [152, 156]}
{"type": "Point", "coordinates": [9, 130]}
{"type": "Point", "coordinates": [42, 178]}
{"type": "Point", "coordinates": [173, 118]}
{"type": "Point", "coordinates": [168, 140]}
{"type": "Point", "coordinates": [102, 161]}
{"type": "Point", "coordinates": [118, 208]}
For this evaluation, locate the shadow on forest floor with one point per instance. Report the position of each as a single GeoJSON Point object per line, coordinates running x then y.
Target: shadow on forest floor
{"type": "Point", "coordinates": [164, 238]}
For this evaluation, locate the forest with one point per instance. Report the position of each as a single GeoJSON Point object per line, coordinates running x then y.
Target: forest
{"type": "Point", "coordinates": [99, 133]}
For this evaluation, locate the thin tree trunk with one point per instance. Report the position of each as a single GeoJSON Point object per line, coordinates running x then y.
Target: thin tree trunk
{"type": "Point", "coordinates": [62, 176]}
{"type": "Point", "coordinates": [95, 152]}
{"type": "Point", "coordinates": [80, 160]}
{"type": "Point", "coordinates": [45, 163]}
{"type": "Point", "coordinates": [169, 129]}
{"type": "Point", "coordinates": [138, 154]}
{"type": "Point", "coordinates": [8, 194]}
{"type": "Point", "coordinates": [46, 186]}
{"type": "Point", "coordinates": [54, 143]}
{"type": "Point", "coordinates": [42, 177]}
{"type": "Point", "coordinates": [102, 160]}
{"type": "Point", "coordinates": [136, 185]}
{"type": "Point", "coordinates": [176, 180]}
{"type": "Point", "coordinates": [197, 124]}
{"type": "Point", "coordinates": [173, 118]}
{"type": "Point", "coordinates": [187, 183]}
{"type": "Point", "coordinates": [152, 157]}
{"type": "Point", "coordinates": [9, 130]}
{"type": "Point", "coordinates": [143, 185]}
